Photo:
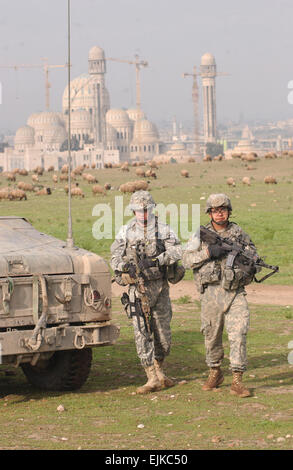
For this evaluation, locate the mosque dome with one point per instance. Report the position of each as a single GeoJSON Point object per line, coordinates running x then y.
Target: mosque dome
{"type": "Point", "coordinates": [135, 114]}
{"type": "Point", "coordinates": [118, 118]}
{"type": "Point", "coordinates": [45, 119]}
{"type": "Point", "coordinates": [49, 128]}
{"type": "Point", "coordinates": [145, 132]}
{"type": "Point", "coordinates": [96, 53]}
{"type": "Point", "coordinates": [81, 119]}
{"type": "Point", "coordinates": [208, 59]}
{"type": "Point", "coordinates": [25, 136]}
{"type": "Point", "coordinates": [83, 93]}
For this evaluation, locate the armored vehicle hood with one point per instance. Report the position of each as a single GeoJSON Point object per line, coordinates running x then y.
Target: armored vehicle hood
{"type": "Point", "coordinates": [26, 251]}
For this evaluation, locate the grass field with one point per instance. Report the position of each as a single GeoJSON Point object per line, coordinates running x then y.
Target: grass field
{"type": "Point", "coordinates": [106, 412]}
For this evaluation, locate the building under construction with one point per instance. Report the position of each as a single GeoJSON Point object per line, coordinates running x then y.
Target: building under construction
{"type": "Point", "coordinates": [99, 134]}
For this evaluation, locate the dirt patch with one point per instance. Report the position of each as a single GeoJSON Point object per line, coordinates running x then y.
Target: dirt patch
{"type": "Point", "coordinates": [256, 293]}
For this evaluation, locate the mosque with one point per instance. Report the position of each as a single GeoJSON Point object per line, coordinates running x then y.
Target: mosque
{"type": "Point", "coordinates": [99, 134]}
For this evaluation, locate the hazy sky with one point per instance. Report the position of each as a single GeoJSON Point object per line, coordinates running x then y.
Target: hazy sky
{"type": "Point", "coordinates": [251, 40]}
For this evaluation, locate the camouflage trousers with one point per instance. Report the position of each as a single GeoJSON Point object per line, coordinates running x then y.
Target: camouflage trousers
{"type": "Point", "coordinates": [220, 307]}
{"type": "Point", "coordinates": [157, 346]}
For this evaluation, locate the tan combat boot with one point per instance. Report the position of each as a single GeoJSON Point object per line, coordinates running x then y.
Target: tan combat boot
{"type": "Point", "coordinates": [215, 379]}
{"type": "Point", "coordinates": [237, 387]}
{"type": "Point", "coordinates": [153, 382]}
{"type": "Point", "coordinates": [165, 381]}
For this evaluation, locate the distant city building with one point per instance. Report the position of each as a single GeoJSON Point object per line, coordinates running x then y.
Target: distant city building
{"type": "Point", "coordinates": [99, 134]}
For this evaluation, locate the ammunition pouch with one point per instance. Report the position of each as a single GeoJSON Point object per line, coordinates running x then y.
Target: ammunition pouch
{"type": "Point", "coordinates": [210, 273]}
{"type": "Point", "coordinates": [233, 278]}
{"type": "Point", "coordinates": [175, 273]}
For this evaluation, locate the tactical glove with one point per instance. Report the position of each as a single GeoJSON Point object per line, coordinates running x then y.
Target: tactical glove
{"type": "Point", "coordinates": [148, 263]}
{"type": "Point", "coordinates": [216, 251]}
{"type": "Point", "coordinates": [130, 269]}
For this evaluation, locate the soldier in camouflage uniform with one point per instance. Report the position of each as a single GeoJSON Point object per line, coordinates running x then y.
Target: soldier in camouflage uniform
{"type": "Point", "coordinates": [160, 248]}
{"type": "Point", "coordinates": [222, 294]}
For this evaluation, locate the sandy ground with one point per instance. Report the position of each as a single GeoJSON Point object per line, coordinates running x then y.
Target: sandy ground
{"type": "Point", "coordinates": [256, 293]}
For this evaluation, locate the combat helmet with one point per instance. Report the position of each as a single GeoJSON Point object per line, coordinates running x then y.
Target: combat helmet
{"type": "Point", "coordinates": [141, 200]}
{"type": "Point", "coordinates": [218, 200]}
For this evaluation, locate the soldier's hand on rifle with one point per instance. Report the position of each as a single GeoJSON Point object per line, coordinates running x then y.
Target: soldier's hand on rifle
{"type": "Point", "coordinates": [148, 262]}
{"type": "Point", "coordinates": [130, 269]}
{"type": "Point", "coordinates": [216, 251]}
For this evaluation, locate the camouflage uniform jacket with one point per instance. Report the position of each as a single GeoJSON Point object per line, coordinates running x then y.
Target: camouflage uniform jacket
{"type": "Point", "coordinates": [159, 241]}
{"type": "Point", "coordinates": [207, 271]}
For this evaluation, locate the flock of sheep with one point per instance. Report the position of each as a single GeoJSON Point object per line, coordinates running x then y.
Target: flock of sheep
{"type": "Point", "coordinates": [20, 188]}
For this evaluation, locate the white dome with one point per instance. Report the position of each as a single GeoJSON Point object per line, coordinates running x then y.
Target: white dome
{"type": "Point", "coordinates": [118, 118]}
{"type": "Point", "coordinates": [96, 53]}
{"type": "Point", "coordinates": [81, 119]}
{"type": "Point", "coordinates": [135, 114]}
{"type": "Point", "coordinates": [208, 59]}
{"type": "Point", "coordinates": [25, 136]}
{"type": "Point", "coordinates": [145, 132]}
{"type": "Point", "coordinates": [45, 119]}
{"type": "Point", "coordinates": [82, 93]}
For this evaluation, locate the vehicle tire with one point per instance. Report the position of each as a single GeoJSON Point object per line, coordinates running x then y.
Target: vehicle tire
{"type": "Point", "coordinates": [65, 370]}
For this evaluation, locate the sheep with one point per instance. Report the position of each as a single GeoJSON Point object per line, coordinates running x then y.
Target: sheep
{"type": "Point", "coordinates": [153, 164]}
{"type": "Point", "coordinates": [10, 177]}
{"type": "Point", "coordinates": [191, 160]}
{"type": "Point", "coordinates": [141, 184]}
{"type": "Point", "coordinates": [184, 173]}
{"type": "Point", "coordinates": [63, 177]}
{"type": "Point", "coordinates": [246, 180]}
{"type": "Point", "coordinates": [18, 194]}
{"type": "Point", "coordinates": [236, 155]}
{"type": "Point", "coordinates": [44, 192]}
{"type": "Point", "coordinates": [25, 186]}
{"type": "Point", "coordinates": [93, 165]}
{"type": "Point", "coordinates": [64, 169]}
{"type": "Point", "coordinates": [107, 186]}
{"type": "Point", "coordinates": [35, 178]}
{"type": "Point", "coordinates": [78, 170]}
{"type": "Point", "coordinates": [23, 172]}
{"type": "Point", "coordinates": [140, 172]}
{"type": "Point", "coordinates": [128, 188]}
{"type": "Point", "coordinates": [230, 182]}
{"type": "Point", "coordinates": [55, 178]}
{"type": "Point", "coordinates": [91, 179]}
{"type": "Point", "coordinates": [15, 171]}
{"type": "Point", "coordinates": [150, 174]}
{"type": "Point", "coordinates": [207, 158]}
{"type": "Point", "coordinates": [218, 158]}
{"type": "Point", "coordinates": [39, 170]}
{"type": "Point", "coordinates": [270, 155]}
{"type": "Point", "coordinates": [98, 189]}
{"type": "Point", "coordinates": [5, 194]}
{"type": "Point", "coordinates": [77, 192]}
{"type": "Point", "coordinates": [51, 168]}
{"type": "Point", "coordinates": [270, 180]}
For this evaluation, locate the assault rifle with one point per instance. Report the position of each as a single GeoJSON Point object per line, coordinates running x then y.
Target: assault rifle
{"type": "Point", "coordinates": [238, 256]}
{"type": "Point", "coordinates": [138, 306]}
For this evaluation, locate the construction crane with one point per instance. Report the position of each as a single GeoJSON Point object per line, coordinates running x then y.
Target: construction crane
{"type": "Point", "coordinates": [195, 100]}
{"type": "Point", "coordinates": [45, 66]}
{"type": "Point", "coordinates": [138, 64]}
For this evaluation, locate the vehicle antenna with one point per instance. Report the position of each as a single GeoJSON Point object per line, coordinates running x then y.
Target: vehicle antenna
{"type": "Point", "coordinates": [69, 241]}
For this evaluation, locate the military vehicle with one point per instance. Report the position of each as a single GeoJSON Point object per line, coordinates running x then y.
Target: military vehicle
{"type": "Point", "coordinates": [55, 306]}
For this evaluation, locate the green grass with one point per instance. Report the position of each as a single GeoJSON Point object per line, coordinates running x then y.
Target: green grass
{"type": "Point", "coordinates": [106, 412]}
{"type": "Point", "coordinates": [265, 212]}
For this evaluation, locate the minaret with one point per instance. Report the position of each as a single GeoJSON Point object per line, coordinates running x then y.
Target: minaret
{"type": "Point", "coordinates": [208, 71]}
{"type": "Point", "coordinates": [97, 70]}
